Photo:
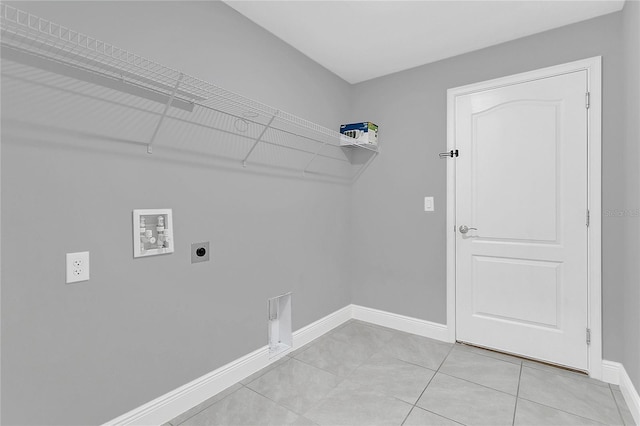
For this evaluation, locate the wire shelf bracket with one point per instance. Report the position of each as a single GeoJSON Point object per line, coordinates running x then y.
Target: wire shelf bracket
{"type": "Point", "coordinates": [315, 155]}
{"type": "Point", "coordinates": [164, 114]}
{"type": "Point", "coordinates": [258, 139]}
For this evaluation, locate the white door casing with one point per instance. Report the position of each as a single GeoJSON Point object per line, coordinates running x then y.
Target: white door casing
{"type": "Point", "coordinates": [528, 280]}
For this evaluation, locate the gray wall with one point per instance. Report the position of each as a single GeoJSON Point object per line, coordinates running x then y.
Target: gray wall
{"type": "Point", "coordinates": [631, 192]}
{"type": "Point", "coordinates": [399, 249]}
{"type": "Point", "coordinates": [86, 353]}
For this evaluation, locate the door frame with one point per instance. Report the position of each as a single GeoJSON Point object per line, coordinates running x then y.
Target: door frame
{"type": "Point", "coordinates": [593, 66]}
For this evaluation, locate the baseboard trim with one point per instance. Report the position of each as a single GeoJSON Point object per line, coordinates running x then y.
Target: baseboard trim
{"type": "Point", "coordinates": [403, 323]}
{"type": "Point", "coordinates": [630, 394]}
{"type": "Point", "coordinates": [615, 373]}
{"type": "Point", "coordinates": [611, 372]}
{"type": "Point", "coordinates": [176, 402]}
{"type": "Point", "coordinates": [316, 329]}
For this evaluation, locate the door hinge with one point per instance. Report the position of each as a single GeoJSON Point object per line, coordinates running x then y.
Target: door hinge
{"type": "Point", "coordinates": [588, 336]}
{"type": "Point", "coordinates": [588, 218]}
{"type": "Point", "coordinates": [587, 99]}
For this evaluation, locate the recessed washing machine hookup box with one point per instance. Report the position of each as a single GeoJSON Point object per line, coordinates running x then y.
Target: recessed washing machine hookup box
{"type": "Point", "coordinates": [152, 232]}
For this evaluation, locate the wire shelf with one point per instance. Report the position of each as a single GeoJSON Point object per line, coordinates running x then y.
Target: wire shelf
{"type": "Point", "coordinates": [265, 126]}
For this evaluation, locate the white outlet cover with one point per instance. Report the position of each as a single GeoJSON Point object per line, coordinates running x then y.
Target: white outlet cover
{"type": "Point", "coordinates": [428, 204]}
{"type": "Point", "coordinates": [77, 267]}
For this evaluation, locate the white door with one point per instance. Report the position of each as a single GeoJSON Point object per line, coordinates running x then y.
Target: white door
{"type": "Point", "coordinates": [521, 180]}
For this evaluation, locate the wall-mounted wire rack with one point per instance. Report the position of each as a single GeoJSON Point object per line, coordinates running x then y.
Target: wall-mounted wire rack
{"type": "Point", "coordinates": [256, 123]}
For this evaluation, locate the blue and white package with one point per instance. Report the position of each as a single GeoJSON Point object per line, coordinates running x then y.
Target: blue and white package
{"type": "Point", "coordinates": [364, 133]}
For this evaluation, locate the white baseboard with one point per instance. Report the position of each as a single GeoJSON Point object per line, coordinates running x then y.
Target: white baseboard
{"type": "Point", "coordinates": [611, 372]}
{"type": "Point", "coordinates": [176, 402]}
{"type": "Point", "coordinates": [323, 325]}
{"type": "Point", "coordinates": [403, 323]}
{"type": "Point", "coordinates": [630, 394]}
{"type": "Point", "coordinates": [614, 373]}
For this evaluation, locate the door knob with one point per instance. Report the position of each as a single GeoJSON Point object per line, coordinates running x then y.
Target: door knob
{"type": "Point", "coordinates": [464, 229]}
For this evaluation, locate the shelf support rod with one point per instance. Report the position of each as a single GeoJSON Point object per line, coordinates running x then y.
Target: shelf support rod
{"type": "Point", "coordinates": [364, 167]}
{"type": "Point", "coordinates": [304, 171]}
{"type": "Point", "coordinates": [267, 127]}
{"type": "Point", "coordinates": [164, 114]}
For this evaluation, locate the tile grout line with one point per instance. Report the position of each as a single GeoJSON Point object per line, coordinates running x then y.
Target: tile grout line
{"type": "Point", "coordinates": [468, 381]}
{"type": "Point", "coordinates": [515, 408]}
{"type": "Point", "coordinates": [454, 345]}
{"type": "Point", "coordinates": [478, 384]}
{"type": "Point", "coordinates": [465, 349]}
{"type": "Point", "coordinates": [532, 364]}
{"type": "Point", "coordinates": [452, 348]}
{"type": "Point", "coordinates": [415, 404]}
{"type": "Point", "coordinates": [275, 402]}
{"type": "Point", "coordinates": [409, 413]}
{"type": "Point", "coordinates": [327, 371]}
{"type": "Point", "coordinates": [572, 376]}
{"type": "Point", "coordinates": [574, 381]}
{"type": "Point", "coordinates": [561, 410]}
{"type": "Point", "coordinates": [208, 406]}
{"type": "Point", "coordinates": [617, 405]}
{"type": "Point", "coordinates": [445, 358]}
{"type": "Point", "coordinates": [406, 362]}
{"type": "Point", "coordinates": [341, 379]}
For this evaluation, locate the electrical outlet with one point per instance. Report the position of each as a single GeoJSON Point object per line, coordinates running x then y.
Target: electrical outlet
{"type": "Point", "coordinates": [200, 252]}
{"type": "Point", "coordinates": [77, 267]}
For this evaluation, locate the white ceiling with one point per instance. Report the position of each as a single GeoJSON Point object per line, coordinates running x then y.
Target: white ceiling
{"type": "Point", "coordinates": [361, 40]}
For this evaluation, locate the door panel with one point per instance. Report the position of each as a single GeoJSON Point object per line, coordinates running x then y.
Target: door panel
{"type": "Point", "coordinates": [521, 180]}
{"type": "Point", "coordinates": [532, 286]}
{"type": "Point", "coordinates": [522, 136]}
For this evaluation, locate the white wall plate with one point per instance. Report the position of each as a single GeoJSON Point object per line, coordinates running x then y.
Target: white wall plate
{"type": "Point", "coordinates": [152, 232]}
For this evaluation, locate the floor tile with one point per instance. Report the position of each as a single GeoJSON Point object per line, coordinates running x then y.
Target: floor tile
{"type": "Point", "coordinates": [490, 372]}
{"type": "Point", "coordinates": [420, 417]}
{"type": "Point", "coordinates": [357, 333]}
{"type": "Point", "coordinates": [532, 414]}
{"type": "Point", "coordinates": [335, 356]}
{"type": "Point", "coordinates": [265, 370]}
{"type": "Point", "coordinates": [419, 350]}
{"type": "Point", "coordinates": [244, 407]}
{"type": "Point", "coordinates": [303, 348]}
{"type": "Point", "coordinates": [574, 396]}
{"type": "Point", "coordinates": [382, 327]}
{"type": "Point", "coordinates": [627, 417]}
{"type": "Point", "coordinates": [467, 402]}
{"type": "Point", "coordinates": [303, 421]}
{"type": "Point", "coordinates": [563, 372]}
{"type": "Point", "coordinates": [486, 352]}
{"type": "Point", "coordinates": [295, 385]}
{"type": "Point", "coordinates": [351, 404]}
{"type": "Point", "coordinates": [198, 408]}
{"type": "Point", "coordinates": [392, 376]}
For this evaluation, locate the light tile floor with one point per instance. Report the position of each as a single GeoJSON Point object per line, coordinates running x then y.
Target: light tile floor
{"type": "Point", "coordinates": [363, 374]}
